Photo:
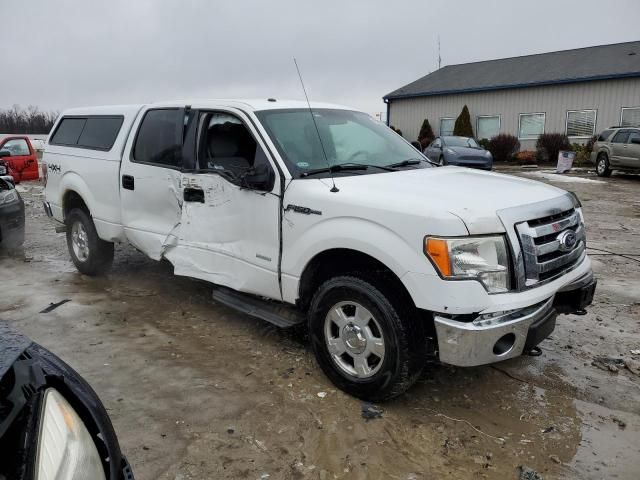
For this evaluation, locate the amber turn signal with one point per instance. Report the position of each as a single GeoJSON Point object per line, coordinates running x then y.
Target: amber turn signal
{"type": "Point", "coordinates": [438, 251]}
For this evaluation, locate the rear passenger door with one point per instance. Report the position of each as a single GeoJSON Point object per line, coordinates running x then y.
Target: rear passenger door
{"type": "Point", "coordinates": [150, 189]}
{"type": "Point", "coordinates": [230, 228]}
{"type": "Point", "coordinates": [632, 149]}
{"type": "Point", "coordinates": [618, 143]}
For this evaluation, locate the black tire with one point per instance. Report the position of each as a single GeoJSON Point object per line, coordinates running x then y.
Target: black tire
{"type": "Point", "coordinates": [404, 338]}
{"type": "Point", "coordinates": [100, 253]}
{"type": "Point", "coordinates": [602, 165]}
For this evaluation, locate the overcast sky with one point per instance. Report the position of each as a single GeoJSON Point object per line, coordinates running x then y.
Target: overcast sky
{"type": "Point", "coordinates": [60, 54]}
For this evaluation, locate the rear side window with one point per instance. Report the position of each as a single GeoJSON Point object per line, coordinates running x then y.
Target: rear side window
{"type": "Point", "coordinates": [68, 132]}
{"type": "Point", "coordinates": [100, 132]}
{"type": "Point", "coordinates": [621, 137]}
{"type": "Point", "coordinates": [604, 135]}
{"type": "Point", "coordinates": [159, 139]}
{"type": "Point", "coordinates": [93, 132]}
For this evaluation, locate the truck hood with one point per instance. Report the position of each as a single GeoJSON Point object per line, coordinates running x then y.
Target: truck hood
{"type": "Point", "coordinates": [473, 196]}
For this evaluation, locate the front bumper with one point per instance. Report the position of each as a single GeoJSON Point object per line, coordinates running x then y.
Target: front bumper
{"type": "Point", "coordinates": [498, 336]}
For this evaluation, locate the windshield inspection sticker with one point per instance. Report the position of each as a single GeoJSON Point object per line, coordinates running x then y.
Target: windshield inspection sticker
{"type": "Point", "coordinates": [302, 164]}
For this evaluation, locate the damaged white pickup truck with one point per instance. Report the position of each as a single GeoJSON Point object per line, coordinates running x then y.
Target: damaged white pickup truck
{"type": "Point", "coordinates": [321, 214]}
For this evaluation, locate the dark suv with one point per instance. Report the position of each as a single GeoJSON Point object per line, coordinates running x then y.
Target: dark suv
{"type": "Point", "coordinates": [617, 148]}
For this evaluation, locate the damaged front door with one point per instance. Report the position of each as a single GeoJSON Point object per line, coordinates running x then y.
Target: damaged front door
{"type": "Point", "coordinates": [230, 233]}
{"type": "Point", "coordinates": [150, 188]}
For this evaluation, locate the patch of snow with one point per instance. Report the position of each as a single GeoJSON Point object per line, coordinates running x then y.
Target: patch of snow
{"type": "Point", "coordinates": [555, 177]}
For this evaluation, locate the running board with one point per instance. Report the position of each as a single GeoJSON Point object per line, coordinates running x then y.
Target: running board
{"type": "Point", "coordinates": [277, 313]}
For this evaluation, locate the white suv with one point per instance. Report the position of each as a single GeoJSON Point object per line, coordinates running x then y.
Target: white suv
{"type": "Point", "coordinates": [321, 214]}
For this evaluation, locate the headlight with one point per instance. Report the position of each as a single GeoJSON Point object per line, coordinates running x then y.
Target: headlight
{"type": "Point", "coordinates": [450, 151]}
{"type": "Point", "coordinates": [65, 448]}
{"type": "Point", "coordinates": [9, 197]}
{"type": "Point", "coordinates": [478, 258]}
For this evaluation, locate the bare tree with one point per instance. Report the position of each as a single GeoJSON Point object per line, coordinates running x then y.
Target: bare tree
{"type": "Point", "coordinates": [29, 120]}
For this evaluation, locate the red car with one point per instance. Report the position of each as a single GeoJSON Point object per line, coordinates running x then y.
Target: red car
{"type": "Point", "coordinates": [21, 160]}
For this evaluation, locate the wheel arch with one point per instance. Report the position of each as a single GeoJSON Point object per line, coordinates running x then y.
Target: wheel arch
{"type": "Point", "coordinates": [75, 194]}
{"type": "Point", "coordinates": [346, 261]}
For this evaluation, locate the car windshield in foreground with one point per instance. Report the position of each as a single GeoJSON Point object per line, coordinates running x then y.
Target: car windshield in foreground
{"type": "Point", "coordinates": [353, 142]}
{"type": "Point", "coordinates": [460, 142]}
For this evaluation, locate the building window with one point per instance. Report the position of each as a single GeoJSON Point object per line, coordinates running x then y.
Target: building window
{"type": "Point", "coordinates": [446, 126]}
{"type": "Point", "coordinates": [581, 123]}
{"type": "Point", "coordinates": [630, 117]}
{"type": "Point", "coordinates": [487, 126]}
{"type": "Point", "coordinates": [531, 125]}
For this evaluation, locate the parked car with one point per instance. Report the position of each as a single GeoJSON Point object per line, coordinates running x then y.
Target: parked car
{"type": "Point", "coordinates": [52, 423]}
{"type": "Point", "coordinates": [461, 151]}
{"type": "Point", "coordinates": [617, 148]}
{"type": "Point", "coordinates": [321, 214]}
{"type": "Point", "coordinates": [11, 215]}
{"type": "Point", "coordinates": [20, 157]}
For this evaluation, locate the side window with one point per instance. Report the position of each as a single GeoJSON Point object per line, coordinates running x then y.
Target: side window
{"type": "Point", "coordinates": [100, 132]}
{"type": "Point", "coordinates": [225, 145]}
{"type": "Point", "coordinates": [634, 135]}
{"type": "Point", "coordinates": [159, 138]}
{"type": "Point", "coordinates": [604, 135]}
{"type": "Point", "coordinates": [621, 137]}
{"type": "Point", "coordinates": [17, 146]}
{"type": "Point", "coordinates": [68, 131]}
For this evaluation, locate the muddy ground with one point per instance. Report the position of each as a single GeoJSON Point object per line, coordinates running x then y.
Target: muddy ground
{"type": "Point", "coordinates": [198, 391]}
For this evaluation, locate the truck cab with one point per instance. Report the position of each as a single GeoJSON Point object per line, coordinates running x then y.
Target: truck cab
{"type": "Point", "coordinates": [319, 214]}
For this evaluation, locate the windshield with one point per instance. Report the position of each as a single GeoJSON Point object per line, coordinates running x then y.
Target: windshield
{"type": "Point", "coordinates": [460, 142]}
{"type": "Point", "coordinates": [348, 137]}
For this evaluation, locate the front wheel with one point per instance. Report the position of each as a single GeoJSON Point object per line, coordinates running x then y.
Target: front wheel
{"type": "Point", "coordinates": [602, 166]}
{"type": "Point", "coordinates": [362, 341]}
{"type": "Point", "coordinates": [90, 254]}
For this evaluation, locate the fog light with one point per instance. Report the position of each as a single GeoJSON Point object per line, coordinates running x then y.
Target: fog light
{"type": "Point", "coordinates": [504, 344]}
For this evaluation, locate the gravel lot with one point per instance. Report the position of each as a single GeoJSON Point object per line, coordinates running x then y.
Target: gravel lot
{"type": "Point", "coordinates": [197, 391]}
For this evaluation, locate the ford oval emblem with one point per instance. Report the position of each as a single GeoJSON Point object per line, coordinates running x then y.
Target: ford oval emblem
{"type": "Point", "coordinates": [567, 240]}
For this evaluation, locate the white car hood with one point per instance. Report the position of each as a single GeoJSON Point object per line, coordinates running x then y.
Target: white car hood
{"type": "Point", "coordinates": [472, 195]}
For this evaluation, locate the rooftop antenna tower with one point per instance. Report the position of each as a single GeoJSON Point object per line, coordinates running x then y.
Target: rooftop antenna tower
{"type": "Point", "coordinates": [439, 58]}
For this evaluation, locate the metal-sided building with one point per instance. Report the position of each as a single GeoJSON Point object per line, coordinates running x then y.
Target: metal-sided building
{"type": "Point", "coordinates": [578, 92]}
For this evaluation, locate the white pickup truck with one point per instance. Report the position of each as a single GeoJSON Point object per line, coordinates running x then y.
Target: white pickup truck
{"type": "Point", "coordinates": [320, 214]}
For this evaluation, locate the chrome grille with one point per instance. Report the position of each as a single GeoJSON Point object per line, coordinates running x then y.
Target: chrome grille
{"type": "Point", "coordinates": [551, 245]}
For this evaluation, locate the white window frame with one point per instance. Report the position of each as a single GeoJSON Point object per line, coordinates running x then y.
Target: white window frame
{"type": "Point", "coordinates": [489, 116]}
{"type": "Point", "coordinates": [595, 121]}
{"type": "Point", "coordinates": [440, 125]}
{"type": "Point", "coordinates": [622, 113]}
{"type": "Point", "coordinates": [544, 124]}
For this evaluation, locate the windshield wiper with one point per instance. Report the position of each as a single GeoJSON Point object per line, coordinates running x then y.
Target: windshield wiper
{"type": "Point", "coordinates": [343, 167]}
{"type": "Point", "coordinates": [411, 161]}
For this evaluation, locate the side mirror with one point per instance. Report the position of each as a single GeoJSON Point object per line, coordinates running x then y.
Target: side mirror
{"type": "Point", "coordinates": [260, 177]}
{"type": "Point", "coordinates": [5, 153]}
{"type": "Point", "coordinates": [635, 140]}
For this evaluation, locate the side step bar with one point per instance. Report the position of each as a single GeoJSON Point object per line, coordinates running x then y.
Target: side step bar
{"type": "Point", "coordinates": [277, 313]}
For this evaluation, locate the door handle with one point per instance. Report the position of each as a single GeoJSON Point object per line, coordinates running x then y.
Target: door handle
{"type": "Point", "coordinates": [193, 195]}
{"type": "Point", "coordinates": [128, 182]}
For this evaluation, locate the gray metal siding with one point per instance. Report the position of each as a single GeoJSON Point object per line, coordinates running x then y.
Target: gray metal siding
{"type": "Point", "coordinates": [606, 96]}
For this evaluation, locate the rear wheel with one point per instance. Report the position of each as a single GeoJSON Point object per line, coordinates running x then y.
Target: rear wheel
{"type": "Point", "coordinates": [602, 165]}
{"type": "Point", "coordinates": [90, 254]}
{"type": "Point", "coordinates": [362, 341]}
